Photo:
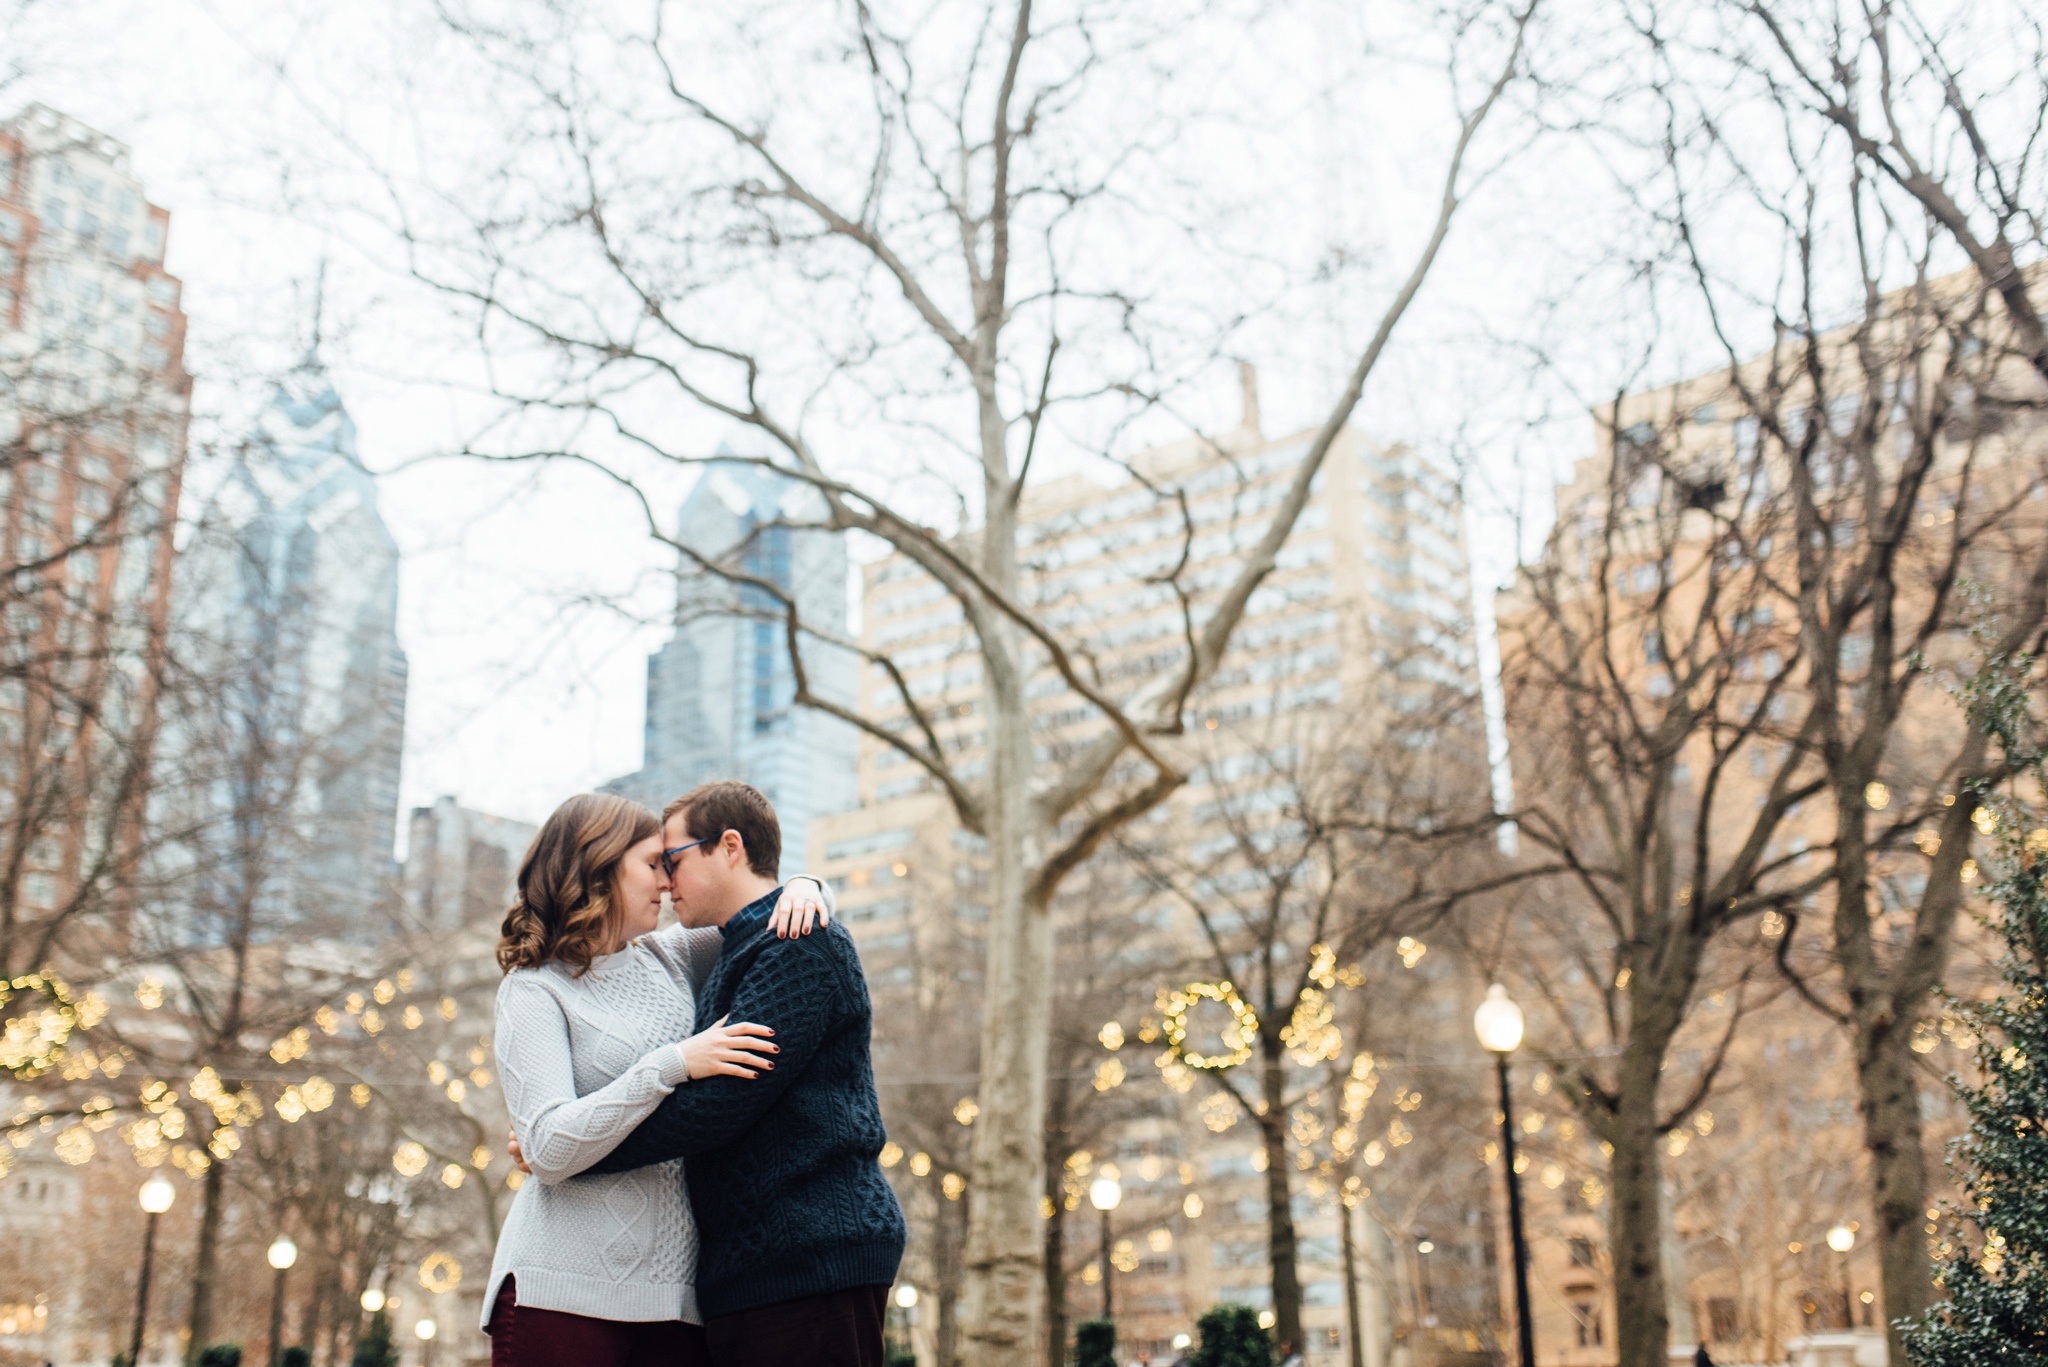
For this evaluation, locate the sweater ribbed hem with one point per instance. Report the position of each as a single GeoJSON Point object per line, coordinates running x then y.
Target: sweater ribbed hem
{"type": "Point", "coordinates": [833, 1269]}
{"type": "Point", "coordinates": [597, 1298]}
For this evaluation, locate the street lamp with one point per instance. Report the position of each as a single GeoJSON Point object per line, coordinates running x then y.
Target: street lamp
{"type": "Point", "coordinates": [156, 1197]}
{"type": "Point", "coordinates": [1841, 1239]}
{"type": "Point", "coordinates": [905, 1318]}
{"type": "Point", "coordinates": [425, 1330]}
{"type": "Point", "coordinates": [1498, 1023]}
{"type": "Point", "coordinates": [282, 1254]}
{"type": "Point", "coordinates": [373, 1300]}
{"type": "Point", "coordinates": [1105, 1193]}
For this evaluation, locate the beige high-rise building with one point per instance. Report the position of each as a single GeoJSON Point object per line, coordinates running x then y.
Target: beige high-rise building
{"type": "Point", "coordinates": [1366, 620]}
{"type": "Point", "coordinates": [1775, 1159]}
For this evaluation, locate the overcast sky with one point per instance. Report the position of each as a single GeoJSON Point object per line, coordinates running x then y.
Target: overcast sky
{"type": "Point", "coordinates": [522, 690]}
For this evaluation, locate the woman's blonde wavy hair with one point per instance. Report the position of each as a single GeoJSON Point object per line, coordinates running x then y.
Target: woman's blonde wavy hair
{"type": "Point", "coordinates": [567, 881]}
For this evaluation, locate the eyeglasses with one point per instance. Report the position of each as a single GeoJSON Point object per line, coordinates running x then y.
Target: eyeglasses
{"type": "Point", "coordinates": [668, 857]}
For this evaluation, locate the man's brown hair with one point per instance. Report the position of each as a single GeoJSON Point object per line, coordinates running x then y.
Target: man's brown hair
{"type": "Point", "coordinates": [567, 880]}
{"type": "Point", "coordinates": [711, 809]}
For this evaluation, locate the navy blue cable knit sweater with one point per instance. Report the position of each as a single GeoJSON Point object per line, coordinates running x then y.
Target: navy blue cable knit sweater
{"type": "Point", "coordinates": [789, 1197]}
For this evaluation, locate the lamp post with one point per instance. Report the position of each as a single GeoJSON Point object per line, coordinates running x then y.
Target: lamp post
{"type": "Point", "coordinates": [1498, 1023]}
{"type": "Point", "coordinates": [156, 1197]}
{"type": "Point", "coordinates": [906, 1305]}
{"type": "Point", "coordinates": [1106, 1194]}
{"type": "Point", "coordinates": [425, 1331]}
{"type": "Point", "coordinates": [1841, 1239]}
{"type": "Point", "coordinates": [372, 1300]}
{"type": "Point", "coordinates": [283, 1253]}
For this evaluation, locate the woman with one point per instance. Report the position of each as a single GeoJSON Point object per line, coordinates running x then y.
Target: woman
{"type": "Point", "coordinates": [594, 1028]}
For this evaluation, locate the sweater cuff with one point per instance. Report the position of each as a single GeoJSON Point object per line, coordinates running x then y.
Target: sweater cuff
{"type": "Point", "coordinates": [671, 1066]}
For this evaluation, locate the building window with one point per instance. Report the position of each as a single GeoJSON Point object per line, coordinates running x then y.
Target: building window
{"type": "Point", "coordinates": [1586, 1321]}
{"type": "Point", "coordinates": [1581, 1250]}
{"type": "Point", "coordinates": [1724, 1324]}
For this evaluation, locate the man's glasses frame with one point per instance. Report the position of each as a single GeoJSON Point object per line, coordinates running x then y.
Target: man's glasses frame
{"type": "Point", "coordinates": [668, 857]}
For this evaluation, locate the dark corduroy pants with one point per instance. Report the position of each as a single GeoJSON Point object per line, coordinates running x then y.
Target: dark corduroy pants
{"type": "Point", "coordinates": [835, 1329]}
{"type": "Point", "coordinates": [522, 1336]}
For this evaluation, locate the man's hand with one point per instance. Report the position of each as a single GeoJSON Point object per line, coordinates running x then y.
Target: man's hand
{"type": "Point", "coordinates": [518, 1157]}
{"type": "Point", "coordinates": [800, 908]}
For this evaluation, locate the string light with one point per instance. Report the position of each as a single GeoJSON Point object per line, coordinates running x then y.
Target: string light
{"type": "Point", "coordinates": [34, 1040]}
{"type": "Point", "coordinates": [440, 1274]}
{"type": "Point", "coordinates": [1236, 1037]}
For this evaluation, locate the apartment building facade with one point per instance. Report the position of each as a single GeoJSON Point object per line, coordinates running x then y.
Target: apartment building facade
{"type": "Point", "coordinates": [1366, 623]}
{"type": "Point", "coordinates": [461, 866]}
{"type": "Point", "coordinates": [1678, 550]}
{"type": "Point", "coordinates": [94, 403]}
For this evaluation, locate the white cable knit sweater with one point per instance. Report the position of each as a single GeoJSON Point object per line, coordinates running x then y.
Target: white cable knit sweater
{"type": "Point", "coordinates": [584, 1061]}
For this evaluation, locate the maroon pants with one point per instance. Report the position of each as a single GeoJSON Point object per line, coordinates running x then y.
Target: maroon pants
{"type": "Point", "coordinates": [836, 1329]}
{"type": "Point", "coordinates": [525, 1337]}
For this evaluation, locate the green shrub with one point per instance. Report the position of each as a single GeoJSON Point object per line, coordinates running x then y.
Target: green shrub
{"type": "Point", "coordinates": [1095, 1344]}
{"type": "Point", "coordinates": [373, 1348]}
{"type": "Point", "coordinates": [1231, 1337]}
{"type": "Point", "coordinates": [1991, 1261]}
{"type": "Point", "coordinates": [296, 1356]}
{"type": "Point", "coordinates": [222, 1355]}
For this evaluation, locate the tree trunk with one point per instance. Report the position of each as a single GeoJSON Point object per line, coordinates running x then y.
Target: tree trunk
{"type": "Point", "coordinates": [1055, 1278]}
{"type": "Point", "coordinates": [1898, 1168]}
{"type": "Point", "coordinates": [1635, 1234]}
{"type": "Point", "coordinates": [1353, 1337]}
{"type": "Point", "coordinates": [1281, 1241]}
{"type": "Point", "coordinates": [1005, 1246]}
{"type": "Point", "coordinates": [205, 1266]}
{"type": "Point", "coordinates": [945, 1224]}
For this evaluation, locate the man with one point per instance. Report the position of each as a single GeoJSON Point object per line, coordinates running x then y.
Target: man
{"type": "Point", "coordinates": [801, 1234]}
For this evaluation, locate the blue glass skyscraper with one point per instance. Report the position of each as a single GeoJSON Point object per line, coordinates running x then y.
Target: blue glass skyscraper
{"type": "Point", "coordinates": [721, 693]}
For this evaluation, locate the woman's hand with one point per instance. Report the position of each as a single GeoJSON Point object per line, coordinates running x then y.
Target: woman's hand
{"type": "Point", "coordinates": [800, 909]}
{"type": "Point", "coordinates": [729, 1050]}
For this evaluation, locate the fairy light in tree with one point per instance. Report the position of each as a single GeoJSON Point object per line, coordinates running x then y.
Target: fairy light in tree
{"type": "Point", "coordinates": [440, 1273]}
{"type": "Point", "coordinates": [1236, 1037]}
{"type": "Point", "coordinates": [41, 1018]}
{"type": "Point", "coordinates": [1312, 1035]}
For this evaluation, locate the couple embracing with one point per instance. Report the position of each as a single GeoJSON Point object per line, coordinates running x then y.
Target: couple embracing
{"type": "Point", "coordinates": [696, 1103]}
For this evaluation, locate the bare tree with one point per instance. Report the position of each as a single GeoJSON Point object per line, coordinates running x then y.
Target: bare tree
{"type": "Point", "coordinates": [929, 259]}
{"type": "Point", "coordinates": [1309, 855]}
{"type": "Point", "coordinates": [1910, 441]}
{"type": "Point", "coordinates": [1949, 109]}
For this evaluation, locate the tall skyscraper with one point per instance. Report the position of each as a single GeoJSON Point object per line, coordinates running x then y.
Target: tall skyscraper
{"type": "Point", "coordinates": [720, 693]}
{"type": "Point", "coordinates": [291, 581]}
{"type": "Point", "coordinates": [94, 402]}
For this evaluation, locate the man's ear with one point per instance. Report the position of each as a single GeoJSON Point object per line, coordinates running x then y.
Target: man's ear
{"type": "Point", "coordinates": [733, 848]}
